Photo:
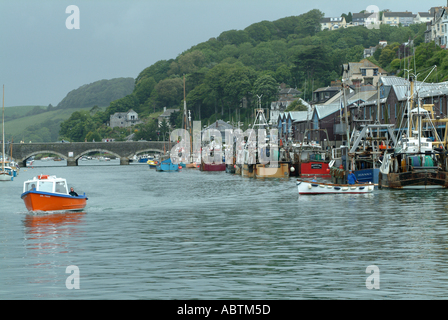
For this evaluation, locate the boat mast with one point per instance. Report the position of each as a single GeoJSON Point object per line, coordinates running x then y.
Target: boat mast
{"type": "Point", "coordinates": [3, 130]}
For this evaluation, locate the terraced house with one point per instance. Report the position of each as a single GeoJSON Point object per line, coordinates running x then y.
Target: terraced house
{"type": "Point", "coordinates": [396, 18]}
{"type": "Point", "coordinates": [333, 23]}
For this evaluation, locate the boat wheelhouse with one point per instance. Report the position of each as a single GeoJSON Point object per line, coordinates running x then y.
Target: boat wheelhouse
{"type": "Point", "coordinates": [49, 193]}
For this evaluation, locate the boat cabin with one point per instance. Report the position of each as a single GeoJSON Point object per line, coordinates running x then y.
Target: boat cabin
{"type": "Point", "coordinates": [45, 183]}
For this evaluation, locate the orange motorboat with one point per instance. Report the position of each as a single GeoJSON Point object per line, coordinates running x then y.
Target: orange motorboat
{"type": "Point", "coordinates": [48, 193]}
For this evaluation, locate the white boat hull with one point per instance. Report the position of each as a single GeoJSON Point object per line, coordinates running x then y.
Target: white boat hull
{"type": "Point", "coordinates": [5, 177]}
{"type": "Point", "coordinates": [309, 187]}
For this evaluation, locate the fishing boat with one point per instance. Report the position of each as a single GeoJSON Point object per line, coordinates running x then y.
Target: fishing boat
{"type": "Point", "coordinates": [211, 152]}
{"type": "Point", "coordinates": [152, 163]}
{"type": "Point", "coordinates": [363, 157]}
{"type": "Point", "coordinates": [5, 175]}
{"type": "Point", "coordinates": [192, 165]}
{"type": "Point", "coordinates": [253, 166]}
{"type": "Point", "coordinates": [167, 165]}
{"type": "Point", "coordinates": [416, 162]}
{"type": "Point", "coordinates": [313, 157]}
{"type": "Point", "coordinates": [49, 193]}
{"type": "Point", "coordinates": [311, 187]}
{"type": "Point", "coordinates": [144, 158]}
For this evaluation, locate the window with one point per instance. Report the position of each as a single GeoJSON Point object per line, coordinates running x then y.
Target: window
{"type": "Point", "coordinates": [375, 72]}
{"type": "Point", "coordinates": [45, 186]}
{"type": "Point", "coordinates": [363, 72]}
{"type": "Point", "coordinates": [60, 187]}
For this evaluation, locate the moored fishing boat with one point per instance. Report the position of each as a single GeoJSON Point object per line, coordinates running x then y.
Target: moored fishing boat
{"type": "Point", "coordinates": [311, 187]}
{"type": "Point", "coordinates": [280, 170]}
{"type": "Point", "coordinates": [152, 163]}
{"type": "Point", "coordinates": [261, 157]}
{"type": "Point", "coordinates": [416, 162]}
{"type": "Point", "coordinates": [49, 193]}
{"type": "Point", "coordinates": [215, 162]}
{"type": "Point", "coordinates": [313, 157]}
{"type": "Point", "coordinates": [212, 166]}
{"type": "Point", "coordinates": [167, 165]}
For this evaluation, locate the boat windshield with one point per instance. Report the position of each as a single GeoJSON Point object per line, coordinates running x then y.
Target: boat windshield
{"type": "Point", "coordinates": [61, 187]}
{"type": "Point", "coordinates": [29, 186]}
{"type": "Point", "coordinates": [46, 186]}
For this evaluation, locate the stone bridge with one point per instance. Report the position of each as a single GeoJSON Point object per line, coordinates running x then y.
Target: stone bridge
{"type": "Point", "coordinates": [72, 151]}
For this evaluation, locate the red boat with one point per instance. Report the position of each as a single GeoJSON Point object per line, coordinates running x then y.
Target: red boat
{"type": "Point", "coordinates": [48, 193]}
{"type": "Point", "coordinates": [315, 168]}
{"type": "Point", "coordinates": [213, 166]}
{"type": "Point", "coordinates": [314, 158]}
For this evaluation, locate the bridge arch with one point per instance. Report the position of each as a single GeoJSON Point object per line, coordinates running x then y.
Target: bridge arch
{"type": "Point", "coordinates": [144, 151]}
{"type": "Point", "coordinates": [44, 151]}
{"type": "Point", "coordinates": [76, 157]}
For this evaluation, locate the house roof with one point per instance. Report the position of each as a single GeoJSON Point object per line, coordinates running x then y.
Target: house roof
{"type": "Point", "coordinates": [296, 116]}
{"type": "Point", "coordinates": [289, 91]}
{"type": "Point", "coordinates": [398, 14]}
{"type": "Point", "coordinates": [424, 14]}
{"type": "Point", "coordinates": [168, 112]}
{"type": "Point", "coordinates": [220, 125]}
{"type": "Point", "coordinates": [326, 110]}
{"type": "Point", "coordinates": [361, 15]}
{"type": "Point", "coordinates": [356, 67]}
{"type": "Point", "coordinates": [327, 89]}
{"type": "Point", "coordinates": [331, 19]}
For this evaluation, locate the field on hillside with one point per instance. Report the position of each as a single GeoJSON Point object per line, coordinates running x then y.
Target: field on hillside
{"type": "Point", "coordinates": [15, 127]}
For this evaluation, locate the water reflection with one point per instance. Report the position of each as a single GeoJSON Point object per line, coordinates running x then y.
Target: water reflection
{"type": "Point", "coordinates": [48, 231]}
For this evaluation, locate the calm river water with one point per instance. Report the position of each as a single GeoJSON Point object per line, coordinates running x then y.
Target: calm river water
{"type": "Point", "coordinates": [198, 235]}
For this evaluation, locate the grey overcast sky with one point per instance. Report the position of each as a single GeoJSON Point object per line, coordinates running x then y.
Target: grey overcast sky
{"type": "Point", "coordinates": [41, 60]}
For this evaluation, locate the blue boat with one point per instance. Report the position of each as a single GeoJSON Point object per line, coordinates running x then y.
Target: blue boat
{"type": "Point", "coordinates": [367, 175]}
{"type": "Point", "coordinates": [145, 158]}
{"type": "Point", "coordinates": [167, 165]}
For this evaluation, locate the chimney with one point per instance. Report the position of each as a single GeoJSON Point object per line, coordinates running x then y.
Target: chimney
{"type": "Point", "coordinates": [357, 83]}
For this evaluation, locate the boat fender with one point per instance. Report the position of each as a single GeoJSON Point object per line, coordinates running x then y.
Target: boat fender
{"type": "Point", "coordinates": [309, 186]}
{"type": "Point", "coordinates": [292, 169]}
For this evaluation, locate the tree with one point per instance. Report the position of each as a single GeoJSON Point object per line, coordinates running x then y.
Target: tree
{"type": "Point", "coordinates": [309, 23]}
{"type": "Point", "coordinates": [296, 105]}
{"type": "Point", "coordinates": [312, 60]}
{"type": "Point", "coordinates": [93, 136]}
{"type": "Point", "coordinates": [267, 86]}
{"type": "Point", "coordinates": [144, 88]}
{"type": "Point", "coordinates": [169, 92]}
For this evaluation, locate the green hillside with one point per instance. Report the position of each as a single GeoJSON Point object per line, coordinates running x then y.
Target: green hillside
{"type": "Point", "coordinates": [42, 123]}
{"type": "Point", "coordinates": [98, 93]}
{"type": "Point", "coordinates": [43, 127]}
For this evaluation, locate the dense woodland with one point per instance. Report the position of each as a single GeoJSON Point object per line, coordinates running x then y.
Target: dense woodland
{"type": "Point", "coordinates": [240, 65]}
